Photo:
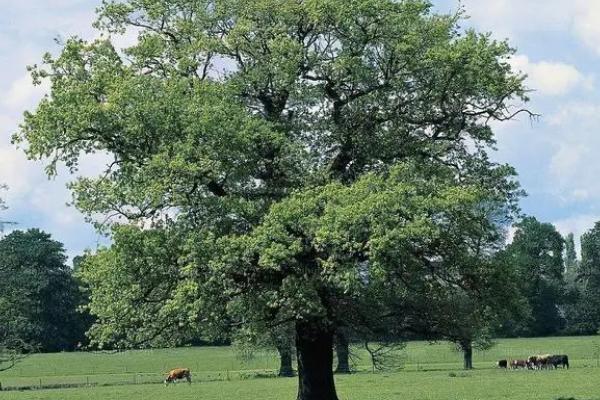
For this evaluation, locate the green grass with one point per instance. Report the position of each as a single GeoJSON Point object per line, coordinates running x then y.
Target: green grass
{"type": "Point", "coordinates": [431, 371]}
{"type": "Point", "coordinates": [484, 384]}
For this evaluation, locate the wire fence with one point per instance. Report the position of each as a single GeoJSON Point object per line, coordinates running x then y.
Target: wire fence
{"type": "Point", "coordinates": [79, 381]}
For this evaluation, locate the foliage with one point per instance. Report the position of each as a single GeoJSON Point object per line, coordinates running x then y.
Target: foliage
{"type": "Point", "coordinates": [329, 254]}
{"type": "Point", "coordinates": [579, 313]}
{"type": "Point", "coordinates": [536, 252]}
{"type": "Point", "coordinates": [584, 301]}
{"type": "Point", "coordinates": [313, 91]}
{"type": "Point", "coordinates": [570, 255]}
{"type": "Point", "coordinates": [131, 291]}
{"type": "Point", "coordinates": [38, 295]}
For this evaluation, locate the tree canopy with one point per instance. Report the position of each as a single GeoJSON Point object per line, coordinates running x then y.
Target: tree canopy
{"type": "Point", "coordinates": [132, 291]}
{"type": "Point", "coordinates": [537, 253]}
{"type": "Point", "coordinates": [585, 317]}
{"type": "Point", "coordinates": [37, 292]}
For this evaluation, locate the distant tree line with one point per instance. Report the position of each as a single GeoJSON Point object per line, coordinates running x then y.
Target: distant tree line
{"type": "Point", "coordinates": [561, 292]}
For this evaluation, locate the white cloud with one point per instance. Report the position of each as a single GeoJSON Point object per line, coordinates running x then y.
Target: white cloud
{"type": "Point", "coordinates": [574, 112]}
{"type": "Point", "coordinates": [508, 18]}
{"type": "Point", "coordinates": [574, 165]}
{"type": "Point", "coordinates": [586, 23]}
{"type": "Point", "coordinates": [50, 199]}
{"type": "Point", "coordinates": [23, 94]}
{"type": "Point", "coordinates": [16, 172]}
{"type": "Point", "coordinates": [512, 18]}
{"type": "Point", "coordinates": [551, 78]}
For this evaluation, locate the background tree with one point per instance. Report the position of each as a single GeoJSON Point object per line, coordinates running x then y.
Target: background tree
{"type": "Point", "coordinates": [536, 252]}
{"type": "Point", "coordinates": [342, 351]}
{"type": "Point", "coordinates": [469, 315]}
{"type": "Point", "coordinates": [582, 311]}
{"type": "Point", "coordinates": [314, 92]}
{"type": "Point", "coordinates": [38, 287]}
{"type": "Point", "coordinates": [577, 311]}
{"type": "Point", "coordinates": [571, 263]}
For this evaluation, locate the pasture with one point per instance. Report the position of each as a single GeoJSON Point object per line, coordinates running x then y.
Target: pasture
{"type": "Point", "coordinates": [423, 371]}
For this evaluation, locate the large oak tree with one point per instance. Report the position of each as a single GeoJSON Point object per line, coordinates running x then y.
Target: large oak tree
{"type": "Point", "coordinates": [226, 109]}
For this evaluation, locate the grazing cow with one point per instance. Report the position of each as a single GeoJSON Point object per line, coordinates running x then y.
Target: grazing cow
{"type": "Point", "coordinates": [559, 360]}
{"type": "Point", "coordinates": [538, 361]}
{"type": "Point", "coordinates": [177, 374]}
{"type": "Point", "coordinates": [502, 364]}
{"type": "Point", "coordinates": [516, 364]}
{"type": "Point", "coordinates": [543, 361]}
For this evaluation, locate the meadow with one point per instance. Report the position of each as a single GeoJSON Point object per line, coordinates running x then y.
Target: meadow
{"type": "Point", "coordinates": [421, 371]}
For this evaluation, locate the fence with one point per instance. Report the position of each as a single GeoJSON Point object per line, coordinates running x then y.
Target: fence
{"type": "Point", "coordinates": [78, 381]}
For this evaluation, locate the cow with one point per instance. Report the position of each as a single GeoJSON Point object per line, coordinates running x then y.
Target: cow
{"type": "Point", "coordinates": [544, 361]}
{"type": "Point", "coordinates": [178, 373]}
{"type": "Point", "coordinates": [538, 361]}
{"type": "Point", "coordinates": [502, 364]}
{"type": "Point", "coordinates": [532, 362]}
{"type": "Point", "coordinates": [516, 364]}
{"type": "Point", "coordinates": [557, 360]}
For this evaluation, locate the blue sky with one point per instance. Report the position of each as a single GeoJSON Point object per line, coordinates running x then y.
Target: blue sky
{"type": "Point", "coordinates": [558, 46]}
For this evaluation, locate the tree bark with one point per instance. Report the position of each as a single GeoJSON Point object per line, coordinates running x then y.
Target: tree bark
{"type": "Point", "coordinates": [467, 348]}
{"type": "Point", "coordinates": [314, 346]}
{"type": "Point", "coordinates": [343, 353]}
{"type": "Point", "coordinates": [285, 358]}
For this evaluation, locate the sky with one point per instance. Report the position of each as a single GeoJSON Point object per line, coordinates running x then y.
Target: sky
{"type": "Point", "coordinates": [558, 46]}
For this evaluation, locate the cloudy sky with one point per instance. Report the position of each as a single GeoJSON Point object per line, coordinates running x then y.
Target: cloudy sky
{"type": "Point", "coordinates": [558, 44]}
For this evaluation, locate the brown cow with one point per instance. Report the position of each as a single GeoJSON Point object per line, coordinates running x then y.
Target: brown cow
{"type": "Point", "coordinates": [177, 374]}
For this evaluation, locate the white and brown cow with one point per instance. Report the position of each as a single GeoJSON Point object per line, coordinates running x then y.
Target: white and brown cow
{"type": "Point", "coordinates": [177, 374]}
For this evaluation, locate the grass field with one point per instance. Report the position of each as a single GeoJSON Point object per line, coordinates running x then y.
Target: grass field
{"type": "Point", "coordinates": [429, 371]}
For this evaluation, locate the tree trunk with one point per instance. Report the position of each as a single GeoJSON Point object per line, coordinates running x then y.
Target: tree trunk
{"type": "Point", "coordinates": [343, 352]}
{"type": "Point", "coordinates": [285, 358]}
{"type": "Point", "coordinates": [314, 346]}
{"type": "Point", "coordinates": [467, 348]}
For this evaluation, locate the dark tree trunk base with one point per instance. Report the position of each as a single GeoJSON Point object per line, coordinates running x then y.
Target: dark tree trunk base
{"type": "Point", "coordinates": [343, 353]}
{"type": "Point", "coordinates": [314, 346]}
{"type": "Point", "coordinates": [285, 356]}
{"type": "Point", "coordinates": [467, 349]}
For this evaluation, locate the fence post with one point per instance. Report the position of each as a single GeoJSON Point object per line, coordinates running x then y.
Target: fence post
{"type": "Point", "coordinates": [40, 383]}
{"type": "Point", "coordinates": [87, 380]}
{"type": "Point", "coordinates": [135, 379]}
{"type": "Point", "coordinates": [0, 386]}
